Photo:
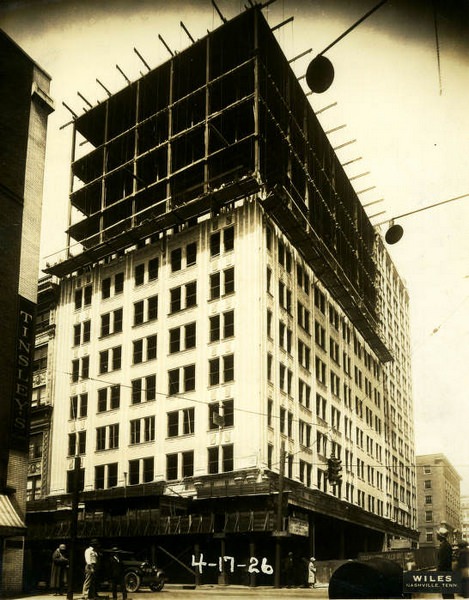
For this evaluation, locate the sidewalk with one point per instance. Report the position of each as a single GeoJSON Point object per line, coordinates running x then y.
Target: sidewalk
{"type": "Point", "coordinates": [320, 591]}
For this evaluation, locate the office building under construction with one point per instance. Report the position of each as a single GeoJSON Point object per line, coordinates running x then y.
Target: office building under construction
{"type": "Point", "coordinates": [228, 320]}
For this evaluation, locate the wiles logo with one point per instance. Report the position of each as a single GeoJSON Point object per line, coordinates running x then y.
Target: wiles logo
{"type": "Point", "coordinates": [431, 582]}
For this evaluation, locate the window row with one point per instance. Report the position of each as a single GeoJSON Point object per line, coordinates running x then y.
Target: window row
{"type": "Point", "coordinates": [220, 459]}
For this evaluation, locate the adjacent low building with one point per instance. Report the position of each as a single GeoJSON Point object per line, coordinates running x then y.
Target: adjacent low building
{"type": "Point", "coordinates": [438, 498]}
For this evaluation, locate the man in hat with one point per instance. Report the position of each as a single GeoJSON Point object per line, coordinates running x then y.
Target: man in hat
{"type": "Point", "coordinates": [116, 573]}
{"type": "Point", "coordinates": [91, 567]}
{"type": "Point", "coordinates": [445, 554]}
{"type": "Point", "coordinates": [58, 572]}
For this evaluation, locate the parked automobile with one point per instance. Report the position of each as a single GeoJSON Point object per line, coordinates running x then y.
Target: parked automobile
{"type": "Point", "coordinates": [139, 573]}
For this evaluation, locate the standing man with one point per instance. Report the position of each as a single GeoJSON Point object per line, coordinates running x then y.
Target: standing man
{"type": "Point", "coordinates": [91, 566]}
{"type": "Point", "coordinates": [58, 571]}
{"type": "Point", "coordinates": [116, 573]}
{"type": "Point", "coordinates": [445, 554]}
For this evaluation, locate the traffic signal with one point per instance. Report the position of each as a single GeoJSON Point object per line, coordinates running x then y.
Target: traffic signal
{"type": "Point", "coordinates": [334, 470]}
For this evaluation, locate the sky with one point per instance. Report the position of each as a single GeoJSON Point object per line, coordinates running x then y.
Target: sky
{"type": "Point", "coordinates": [399, 97]}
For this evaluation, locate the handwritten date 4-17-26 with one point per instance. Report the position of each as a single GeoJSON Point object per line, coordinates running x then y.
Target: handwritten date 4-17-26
{"type": "Point", "coordinates": [229, 563]}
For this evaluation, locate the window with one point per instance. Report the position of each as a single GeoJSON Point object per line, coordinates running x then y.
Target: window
{"type": "Point", "coordinates": [191, 254]}
{"type": "Point", "coordinates": [111, 322]}
{"type": "Point", "coordinates": [428, 499]}
{"type": "Point", "coordinates": [304, 393]}
{"type": "Point", "coordinates": [144, 349]}
{"type": "Point", "coordinates": [228, 239]}
{"type": "Point", "coordinates": [171, 467]}
{"type": "Point", "coordinates": [150, 268]}
{"type": "Point", "coordinates": [222, 283]}
{"type": "Point", "coordinates": [76, 443]}
{"type": "Point", "coordinates": [227, 462]}
{"type": "Point", "coordinates": [182, 338]}
{"type": "Point", "coordinates": [105, 476]}
{"type": "Point", "coordinates": [176, 259]}
{"type": "Point", "coordinates": [106, 285]}
{"type": "Point", "coordinates": [181, 379]}
{"type": "Point", "coordinates": [144, 389]}
{"type": "Point", "coordinates": [141, 470]}
{"type": "Point", "coordinates": [110, 360]}
{"type": "Point", "coordinates": [118, 283]}
{"type": "Point", "coordinates": [213, 460]}
{"type": "Point", "coordinates": [139, 274]}
{"type": "Point", "coordinates": [106, 288]}
{"type": "Point", "coordinates": [153, 267]}
{"type": "Point", "coordinates": [173, 461]}
{"type": "Point", "coordinates": [81, 335]}
{"type": "Point", "coordinates": [80, 368]}
{"type": "Point", "coordinates": [176, 297]}
{"type": "Point", "coordinates": [107, 437]}
{"type": "Point", "coordinates": [142, 430]}
{"type": "Point", "coordinates": [227, 458]}
{"type": "Point", "coordinates": [215, 243]}
{"type": "Point", "coordinates": [428, 515]}
{"type": "Point", "coordinates": [221, 414]}
{"type": "Point", "coordinates": [146, 310]}
{"type": "Point", "coordinates": [427, 484]}
{"type": "Point", "coordinates": [227, 235]}
{"type": "Point", "coordinates": [181, 422]}
{"type": "Point", "coordinates": [216, 364]}
{"type": "Point", "coordinates": [320, 371]}
{"type": "Point", "coordinates": [319, 300]}
{"type": "Point", "coordinates": [304, 431]}
{"type": "Point", "coordinates": [109, 398]}
{"type": "Point", "coordinates": [222, 326]}
{"type": "Point", "coordinates": [320, 335]}
{"type": "Point", "coordinates": [83, 297]}
{"type": "Point", "coordinates": [188, 463]}
{"type": "Point", "coordinates": [78, 406]}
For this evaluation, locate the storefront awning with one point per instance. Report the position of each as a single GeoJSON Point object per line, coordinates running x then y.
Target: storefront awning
{"type": "Point", "coordinates": [10, 522]}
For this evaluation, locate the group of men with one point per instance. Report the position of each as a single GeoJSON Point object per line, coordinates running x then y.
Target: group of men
{"type": "Point", "coordinates": [93, 559]}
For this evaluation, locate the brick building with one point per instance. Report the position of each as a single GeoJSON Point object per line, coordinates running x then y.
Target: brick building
{"type": "Point", "coordinates": [24, 108]}
{"type": "Point", "coordinates": [438, 498]}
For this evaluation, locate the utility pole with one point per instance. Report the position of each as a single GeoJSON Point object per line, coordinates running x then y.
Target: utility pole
{"type": "Point", "coordinates": [73, 525]}
{"type": "Point", "coordinates": [279, 522]}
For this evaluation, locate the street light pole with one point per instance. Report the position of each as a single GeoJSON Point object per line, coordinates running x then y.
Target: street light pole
{"type": "Point", "coordinates": [279, 521]}
{"type": "Point", "coordinates": [73, 525]}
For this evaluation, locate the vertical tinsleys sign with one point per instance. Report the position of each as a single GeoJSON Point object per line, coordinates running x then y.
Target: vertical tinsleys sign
{"type": "Point", "coordinates": [21, 404]}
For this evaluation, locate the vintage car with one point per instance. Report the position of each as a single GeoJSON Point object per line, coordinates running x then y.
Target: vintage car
{"type": "Point", "coordinates": [138, 573]}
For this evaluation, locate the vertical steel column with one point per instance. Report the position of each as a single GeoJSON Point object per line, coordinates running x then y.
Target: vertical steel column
{"type": "Point", "coordinates": [207, 112]}
{"type": "Point", "coordinates": [170, 133]}
{"type": "Point", "coordinates": [257, 160]}
{"type": "Point", "coordinates": [72, 160]}
{"type": "Point", "coordinates": [134, 170]}
{"type": "Point", "coordinates": [103, 177]}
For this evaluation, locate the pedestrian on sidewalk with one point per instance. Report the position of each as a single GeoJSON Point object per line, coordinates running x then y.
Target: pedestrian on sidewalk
{"type": "Point", "coordinates": [91, 567]}
{"type": "Point", "coordinates": [116, 573]}
{"type": "Point", "coordinates": [312, 572]}
{"type": "Point", "coordinates": [445, 555]}
{"type": "Point", "coordinates": [58, 570]}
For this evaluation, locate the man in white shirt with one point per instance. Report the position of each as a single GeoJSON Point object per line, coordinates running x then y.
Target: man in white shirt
{"type": "Point", "coordinates": [91, 564]}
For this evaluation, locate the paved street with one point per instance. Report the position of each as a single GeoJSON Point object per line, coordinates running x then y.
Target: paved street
{"type": "Point", "coordinates": [211, 592]}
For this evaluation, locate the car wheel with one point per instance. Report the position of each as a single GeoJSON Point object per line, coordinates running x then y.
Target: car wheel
{"type": "Point", "coordinates": [157, 586]}
{"type": "Point", "coordinates": [132, 581]}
